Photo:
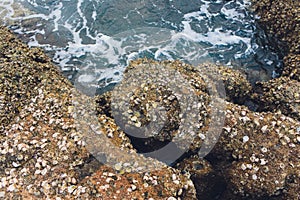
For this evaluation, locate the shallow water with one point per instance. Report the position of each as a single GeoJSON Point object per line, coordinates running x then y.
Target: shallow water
{"type": "Point", "coordinates": [93, 40]}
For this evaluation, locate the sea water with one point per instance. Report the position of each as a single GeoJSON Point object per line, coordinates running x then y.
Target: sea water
{"type": "Point", "coordinates": [93, 40]}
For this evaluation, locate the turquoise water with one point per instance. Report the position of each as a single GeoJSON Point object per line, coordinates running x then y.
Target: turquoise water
{"type": "Point", "coordinates": [96, 39]}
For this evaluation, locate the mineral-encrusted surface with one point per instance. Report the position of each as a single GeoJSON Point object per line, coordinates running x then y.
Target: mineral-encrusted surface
{"type": "Point", "coordinates": [280, 19]}
{"type": "Point", "coordinates": [208, 183]}
{"type": "Point", "coordinates": [257, 152]}
{"type": "Point", "coordinates": [262, 150]}
{"type": "Point", "coordinates": [43, 152]}
{"type": "Point", "coordinates": [280, 94]}
{"type": "Point", "coordinates": [292, 66]}
{"type": "Point", "coordinates": [51, 147]}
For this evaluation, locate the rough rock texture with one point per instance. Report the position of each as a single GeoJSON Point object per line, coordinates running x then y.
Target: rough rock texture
{"type": "Point", "coordinates": [280, 94]}
{"type": "Point", "coordinates": [17, 87]}
{"type": "Point", "coordinates": [146, 97]}
{"type": "Point", "coordinates": [281, 19]}
{"type": "Point", "coordinates": [236, 85]}
{"type": "Point", "coordinates": [292, 66]}
{"type": "Point", "coordinates": [263, 152]}
{"type": "Point", "coordinates": [149, 95]}
{"type": "Point", "coordinates": [268, 166]}
{"type": "Point", "coordinates": [46, 149]}
{"type": "Point", "coordinates": [43, 153]}
{"type": "Point", "coordinates": [40, 148]}
{"type": "Point", "coordinates": [208, 183]}
{"type": "Point", "coordinates": [257, 152]}
{"type": "Point", "coordinates": [166, 183]}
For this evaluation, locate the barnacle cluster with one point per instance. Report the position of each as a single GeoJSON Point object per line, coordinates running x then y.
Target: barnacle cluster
{"type": "Point", "coordinates": [44, 155]}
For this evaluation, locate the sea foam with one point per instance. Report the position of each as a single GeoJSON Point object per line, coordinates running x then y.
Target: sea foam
{"type": "Point", "coordinates": [93, 41]}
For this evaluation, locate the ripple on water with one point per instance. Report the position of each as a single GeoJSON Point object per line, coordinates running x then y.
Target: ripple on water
{"type": "Point", "coordinates": [99, 37]}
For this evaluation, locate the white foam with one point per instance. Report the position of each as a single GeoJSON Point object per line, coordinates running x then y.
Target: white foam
{"type": "Point", "coordinates": [232, 13]}
{"type": "Point", "coordinates": [6, 10]}
{"type": "Point", "coordinates": [86, 78]}
{"type": "Point", "coordinates": [214, 37]}
{"type": "Point", "coordinates": [104, 56]}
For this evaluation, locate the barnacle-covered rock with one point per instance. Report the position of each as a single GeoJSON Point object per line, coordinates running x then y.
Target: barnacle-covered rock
{"type": "Point", "coordinates": [47, 135]}
{"type": "Point", "coordinates": [281, 19]}
{"type": "Point", "coordinates": [237, 87]}
{"type": "Point", "coordinates": [262, 150]}
{"type": "Point", "coordinates": [159, 102]}
{"type": "Point", "coordinates": [280, 94]}
{"type": "Point", "coordinates": [292, 66]}
{"type": "Point", "coordinates": [18, 86]}
{"type": "Point", "coordinates": [208, 183]}
{"type": "Point", "coordinates": [146, 94]}
{"type": "Point", "coordinates": [48, 152]}
{"type": "Point", "coordinates": [165, 183]}
{"type": "Point", "coordinates": [130, 176]}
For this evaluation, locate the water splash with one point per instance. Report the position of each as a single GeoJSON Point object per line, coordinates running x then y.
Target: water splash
{"type": "Point", "coordinates": [101, 36]}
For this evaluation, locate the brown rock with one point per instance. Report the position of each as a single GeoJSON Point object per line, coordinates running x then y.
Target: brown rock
{"type": "Point", "coordinates": [281, 19]}
{"type": "Point", "coordinates": [280, 94]}
{"type": "Point", "coordinates": [208, 183]}
{"type": "Point", "coordinates": [159, 184]}
{"type": "Point", "coordinates": [47, 136]}
{"type": "Point", "coordinates": [263, 150]}
{"type": "Point", "coordinates": [292, 66]}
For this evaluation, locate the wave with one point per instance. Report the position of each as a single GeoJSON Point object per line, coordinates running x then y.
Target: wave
{"type": "Point", "coordinates": [93, 40]}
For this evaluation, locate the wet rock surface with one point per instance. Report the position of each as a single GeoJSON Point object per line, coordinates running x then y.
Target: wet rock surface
{"type": "Point", "coordinates": [257, 152]}
{"type": "Point", "coordinates": [280, 19]}
{"type": "Point", "coordinates": [262, 149]}
{"type": "Point", "coordinates": [48, 152]}
{"type": "Point", "coordinates": [292, 69]}
{"type": "Point", "coordinates": [281, 94]}
{"type": "Point", "coordinates": [43, 154]}
{"type": "Point", "coordinates": [149, 96]}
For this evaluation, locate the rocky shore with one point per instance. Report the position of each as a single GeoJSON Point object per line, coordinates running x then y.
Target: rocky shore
{"type": "Point", "coordinates": [281, 20]}
{"type": "Point", "coordinates": [49, 144]}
